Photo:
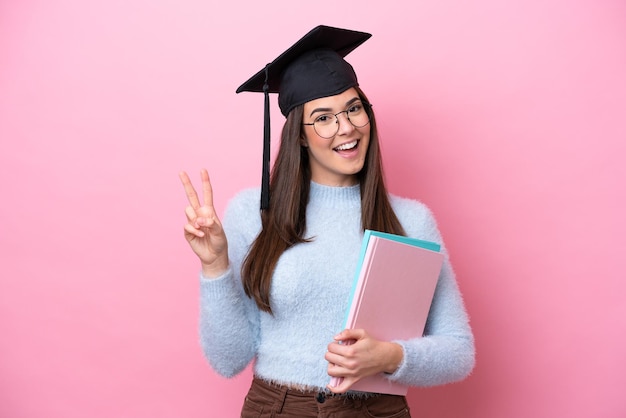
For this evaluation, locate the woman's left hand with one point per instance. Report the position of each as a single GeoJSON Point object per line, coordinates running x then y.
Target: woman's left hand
{"type": "Point", "coordinates": [355, 354]}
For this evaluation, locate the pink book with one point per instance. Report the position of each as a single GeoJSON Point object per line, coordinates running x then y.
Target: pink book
{"type": "Point", "coordinates": [393, 290]}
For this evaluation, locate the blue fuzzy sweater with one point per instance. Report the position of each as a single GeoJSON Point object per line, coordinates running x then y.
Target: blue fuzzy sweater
{"type": "Point", "coordinates": [309, 295]}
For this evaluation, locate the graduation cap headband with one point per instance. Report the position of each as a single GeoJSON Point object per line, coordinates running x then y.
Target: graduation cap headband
{"type": "Point", "coordinates": [310, 69]}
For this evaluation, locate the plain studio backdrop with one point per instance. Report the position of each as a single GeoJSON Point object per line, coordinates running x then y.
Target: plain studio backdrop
{"type": "Point", "coordinates": [507, 118]}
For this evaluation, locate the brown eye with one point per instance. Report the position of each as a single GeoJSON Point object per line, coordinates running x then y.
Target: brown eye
{"type": "Point", "coordinates": [324, 119]}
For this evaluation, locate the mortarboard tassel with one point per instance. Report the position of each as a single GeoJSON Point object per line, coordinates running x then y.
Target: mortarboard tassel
{"type": "Point", "coordinates": [265, 179]}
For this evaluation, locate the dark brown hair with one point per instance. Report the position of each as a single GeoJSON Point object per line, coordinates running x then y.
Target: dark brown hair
{"type": "Point", "coordinates": [283, 224]}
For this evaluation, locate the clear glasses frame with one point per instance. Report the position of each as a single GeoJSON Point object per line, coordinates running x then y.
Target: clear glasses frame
{"type": "Point", "coordinates": [323, 124]}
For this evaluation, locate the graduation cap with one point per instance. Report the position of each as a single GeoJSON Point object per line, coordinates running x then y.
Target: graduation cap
{"type": "Point", "coordinates": [310, 69]}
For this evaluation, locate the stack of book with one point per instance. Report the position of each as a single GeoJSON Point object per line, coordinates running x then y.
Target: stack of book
{"type": "Point", "coordinates": [393, 289]}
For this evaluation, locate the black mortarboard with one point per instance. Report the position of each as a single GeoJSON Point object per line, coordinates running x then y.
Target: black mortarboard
{"type": "Point", "coordinates": [310, 69]}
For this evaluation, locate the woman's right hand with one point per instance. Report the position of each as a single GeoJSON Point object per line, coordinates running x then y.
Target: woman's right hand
{"type": "Point", "coordinates": [204, 230]}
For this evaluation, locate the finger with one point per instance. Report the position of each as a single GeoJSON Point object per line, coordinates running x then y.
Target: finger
{"type": "Point", "coordinates": [192, 196]}
{"type": "Point", "coordinates": [334, 389]}
{"type": "Point", "coordinates": [340, 382]}
{"type": "Point", "coordinates": [198, 221]}
{"type": "Point", "coordinates": [207, 190]}
{"type": "Point", "coordinates": [350, 334]}
{"type": "Point", "coordinates": [339, 388]}
{"type": "Point", "coordinates": [211, 224]}
{"type": "Point", "coordinates": [190, 229]}
{"type": "Point", "coordinates": [333, 358]}
{"type": "Point", "coordinates": [343, 387]}
{"type": "Point", "coordinates": [191, 214]}
{"type": "Point", "coordinates": [335, 382]}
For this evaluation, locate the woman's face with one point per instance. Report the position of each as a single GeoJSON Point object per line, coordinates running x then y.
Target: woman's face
{"type": "Point", "coordinates": [335, 161]}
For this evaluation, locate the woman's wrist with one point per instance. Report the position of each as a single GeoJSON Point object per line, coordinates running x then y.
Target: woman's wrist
{"type": "Point", "coordinates": [395, 357]}
{"type": "Point", "coordinates": [214, 270]}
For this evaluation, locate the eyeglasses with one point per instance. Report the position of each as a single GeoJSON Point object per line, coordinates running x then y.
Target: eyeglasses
{"type": "Point", "coordinates": [327, 124]}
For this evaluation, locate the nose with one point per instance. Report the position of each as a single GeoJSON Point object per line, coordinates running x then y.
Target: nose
{"type": "Point", "coordinates": [345, 126]}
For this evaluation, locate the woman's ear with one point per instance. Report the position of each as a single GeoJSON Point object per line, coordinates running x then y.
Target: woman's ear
{"type": "Point", "coordinates": [303, 141]}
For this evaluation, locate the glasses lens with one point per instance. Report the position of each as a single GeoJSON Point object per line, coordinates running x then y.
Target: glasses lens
{"type": "Point", "coordinates": [358, 115]}
{"type": "Point", "coordinates": [326, 125]}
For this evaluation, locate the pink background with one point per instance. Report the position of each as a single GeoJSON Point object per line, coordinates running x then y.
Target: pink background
{"type": "Point", "coordinates": [506, 117]}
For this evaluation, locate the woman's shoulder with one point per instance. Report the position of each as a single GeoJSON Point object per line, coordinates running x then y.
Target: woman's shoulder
{"type": "Point", "coordinates": [416, 218]}
{"type": "Point", "coordinates": [243, 209]}
{"type": "Point", "coordinates": [245, 198]}
{"type": "Point", "coordinates": [408, 206]}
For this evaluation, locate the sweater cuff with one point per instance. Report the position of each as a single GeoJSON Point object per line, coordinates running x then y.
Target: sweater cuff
{"type": "Point", "coordinates": [400, 370]}
{"type": "Point", "coordinates": [219, 286]}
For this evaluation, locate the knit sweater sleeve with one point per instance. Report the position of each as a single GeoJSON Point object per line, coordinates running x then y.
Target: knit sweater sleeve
{"type": "Point", "coordinates": [446, 352]}
{"type": "Point", "coordinates": [229, 320]}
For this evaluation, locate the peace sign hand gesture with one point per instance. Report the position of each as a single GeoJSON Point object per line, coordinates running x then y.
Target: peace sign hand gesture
{"type": "Point", "coordinates": [204, 230]}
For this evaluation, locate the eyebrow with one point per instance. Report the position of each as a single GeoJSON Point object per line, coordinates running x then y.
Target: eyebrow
{"type": "Point", "coordinates": [328, 109]}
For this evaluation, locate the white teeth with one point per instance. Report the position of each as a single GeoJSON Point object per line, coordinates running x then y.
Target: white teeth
{"type": "Point", "coordinates": [347, 146]}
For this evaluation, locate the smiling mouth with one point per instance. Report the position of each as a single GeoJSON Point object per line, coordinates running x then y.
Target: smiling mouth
{"type": "Point", "coordinates": [348, 146]}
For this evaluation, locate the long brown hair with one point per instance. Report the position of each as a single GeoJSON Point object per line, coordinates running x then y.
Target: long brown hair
{"type": "Point", "coordinates": [283, 224]}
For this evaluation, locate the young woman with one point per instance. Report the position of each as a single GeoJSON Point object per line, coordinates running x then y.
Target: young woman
{"type": "Point", "coordinates": [275, 283]}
